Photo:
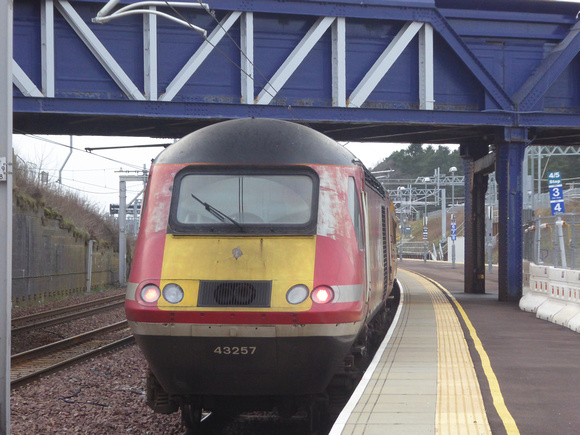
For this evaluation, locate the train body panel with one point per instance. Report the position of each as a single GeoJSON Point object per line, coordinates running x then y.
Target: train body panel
{"type": "Point", "coordinates": [265, 251]}
{"type": "Point", "coordinates": [283, 261]}
{"type": "Point", "coordinates": [152, 234]}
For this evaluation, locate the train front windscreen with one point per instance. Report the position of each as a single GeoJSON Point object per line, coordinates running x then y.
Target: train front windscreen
{"type": "Point", "coordinates": [209, 201]}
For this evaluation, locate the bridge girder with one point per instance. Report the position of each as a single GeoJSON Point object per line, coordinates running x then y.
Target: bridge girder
{"type": "Point", "coordinates": [434, 69]}
{"type": "Point", "coordinates": [420, 71]}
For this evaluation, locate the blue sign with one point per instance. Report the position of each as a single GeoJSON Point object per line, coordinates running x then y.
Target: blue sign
{"type": "Point", "coordinates": [556, 193]}
{"type": "Point", "coordinates": [453, 230]}
{"type": "Point", "coordinates": [425, 233]}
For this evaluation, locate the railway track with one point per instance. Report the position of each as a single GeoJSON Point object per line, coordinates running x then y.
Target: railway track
{"type": "Point", "coordinates": [40, 362]}
{"type": "Point", "coordinates": [66, 314]}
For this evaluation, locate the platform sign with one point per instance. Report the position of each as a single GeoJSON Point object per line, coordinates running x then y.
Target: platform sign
{"type": "Point", "coordinates": [425, 233]}
{"type": "Point", "coordinates": [453, 230]}
{"type": "Point", "coordinates": [556, 193]}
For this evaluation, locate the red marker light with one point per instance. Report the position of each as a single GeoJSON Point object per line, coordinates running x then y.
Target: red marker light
{"type": "Point", "coordinates": [150, 293]}
{"type": "Point", "coordinates": [322, 294]}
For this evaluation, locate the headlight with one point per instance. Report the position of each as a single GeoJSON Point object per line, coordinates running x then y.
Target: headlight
{"type": "Point", "coordinates": [322, 294]}
{"type": "Point", "coordinates": [173, 293]}
{"type": "Point", "coordinates": [150, 293]}
{"type": "Point", "coordinates": [297, 294]}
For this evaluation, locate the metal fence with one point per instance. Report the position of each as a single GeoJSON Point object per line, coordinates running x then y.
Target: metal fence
{"type": "Point", "coordinates": [553, 240]}
{"type": "Point", "coordinates": [433, 251]}
{"type": "Point", "coordinates": [411, 249]}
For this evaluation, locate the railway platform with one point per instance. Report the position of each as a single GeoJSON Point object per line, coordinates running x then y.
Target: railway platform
{"type": "Point", "coordinates": [457, 363]}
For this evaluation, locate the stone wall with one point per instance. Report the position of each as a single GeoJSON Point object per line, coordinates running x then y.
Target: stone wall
{"type": "Point", "coordinates": [49, 262]}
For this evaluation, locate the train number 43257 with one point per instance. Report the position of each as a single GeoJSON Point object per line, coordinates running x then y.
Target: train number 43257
{"type": "Point", "coordinates": [235, 350]}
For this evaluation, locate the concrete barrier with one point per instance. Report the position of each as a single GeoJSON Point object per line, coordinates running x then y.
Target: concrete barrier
{"type": "Point", "coordinates": [572, 310]}
{"type": "Point", "coordinates": [554, 295]}
{"type": "Point", "coordinates": [537, 293]}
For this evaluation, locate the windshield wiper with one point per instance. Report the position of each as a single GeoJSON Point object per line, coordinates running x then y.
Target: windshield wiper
{"type": "Point", "coordinates": [218, 214]}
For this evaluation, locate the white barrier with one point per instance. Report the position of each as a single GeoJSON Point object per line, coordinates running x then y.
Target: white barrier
{"type": "Point", "coordinates": [537, 292]}
{"type": "Point", "coordinates": [554, 295]}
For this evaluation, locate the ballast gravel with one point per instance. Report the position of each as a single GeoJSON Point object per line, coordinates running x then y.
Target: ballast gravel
{"type": "Point", "coordinates": [105, 395]}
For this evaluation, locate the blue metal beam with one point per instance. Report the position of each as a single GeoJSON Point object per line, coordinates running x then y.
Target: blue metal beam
{"type": "Point", "coordinates": [491, 85]}
{"type": "Point", "coordinates": [520, 6]}
{"type": "Point", "coordinates": [475, 69]}
{"type": "Point", "coordinates": [528, 97]}
{"type": "Point", "coordinates": [374, 15]}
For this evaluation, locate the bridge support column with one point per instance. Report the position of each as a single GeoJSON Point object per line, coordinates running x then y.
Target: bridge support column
{"type": "Point", "coordinates": [475, 189]}
{"type": "Point", "coordinates": [509, 164]}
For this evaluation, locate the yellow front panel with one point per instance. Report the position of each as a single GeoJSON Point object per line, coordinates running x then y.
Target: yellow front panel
{"type": "Point", "coordinates": [286, 261]}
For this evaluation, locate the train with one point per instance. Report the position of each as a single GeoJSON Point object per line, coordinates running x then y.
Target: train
{"type": "Point", "coordinates": [262, 270]}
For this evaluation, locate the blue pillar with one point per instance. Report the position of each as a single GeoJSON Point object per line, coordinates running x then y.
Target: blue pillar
{"type": "Point", "coordinates": [509, 164]}
{"type": "Point", "coordinates": [475, 189]}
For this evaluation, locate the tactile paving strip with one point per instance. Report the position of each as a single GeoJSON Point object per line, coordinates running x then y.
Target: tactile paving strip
{"type": "Point", "coordinates": [460, 408]}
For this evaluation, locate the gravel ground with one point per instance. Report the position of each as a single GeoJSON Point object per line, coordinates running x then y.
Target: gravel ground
{"type": "Point", "coordinates": [105, 395]}
{"type": "Point", "coordinates": [101, 396]}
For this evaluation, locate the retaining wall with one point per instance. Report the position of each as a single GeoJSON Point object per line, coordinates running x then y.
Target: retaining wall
{"type": "Point", "coordinates": [49, 263]}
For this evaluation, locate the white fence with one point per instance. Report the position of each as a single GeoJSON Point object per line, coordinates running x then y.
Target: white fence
{"type": "Point", "coordinates": [554, 295]}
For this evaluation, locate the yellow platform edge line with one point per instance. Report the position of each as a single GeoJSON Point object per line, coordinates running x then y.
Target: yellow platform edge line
{"type": "Point", "coordinates": [497, 397]}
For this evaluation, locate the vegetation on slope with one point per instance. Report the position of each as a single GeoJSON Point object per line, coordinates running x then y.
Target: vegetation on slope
{"type": "Point", "coordinates": [74, 212]}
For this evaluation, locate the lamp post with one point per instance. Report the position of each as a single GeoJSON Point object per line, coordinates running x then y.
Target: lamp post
{"type": "Point", "coordinates": [453, 169]}
{"type": "Point", "coordinates": [403, 217]}
{"type": "Point", "coordinates": [425, 228]}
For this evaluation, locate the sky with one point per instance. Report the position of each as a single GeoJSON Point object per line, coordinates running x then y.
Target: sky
{"type": "Point", "coordinates": [95, 174]}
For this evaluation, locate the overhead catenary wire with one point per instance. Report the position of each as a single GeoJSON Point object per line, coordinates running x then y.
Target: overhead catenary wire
{"type": "Point", "coordinates": [66, 181]}
{"type": "Point", "coordinates": [33, 136]}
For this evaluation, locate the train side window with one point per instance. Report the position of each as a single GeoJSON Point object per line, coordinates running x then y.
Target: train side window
{"type": "Point", "coordinates": [354, 210]}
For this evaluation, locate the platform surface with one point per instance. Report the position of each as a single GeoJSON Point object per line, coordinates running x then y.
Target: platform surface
{"type": "Point", "coordinates": [457, 363]}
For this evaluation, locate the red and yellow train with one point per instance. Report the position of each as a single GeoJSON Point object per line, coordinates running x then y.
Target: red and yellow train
{"type": "Point", "coordinates": [265, 254]}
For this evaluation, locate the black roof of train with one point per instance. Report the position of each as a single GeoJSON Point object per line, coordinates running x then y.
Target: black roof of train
{"type": "Point", "coordinates": [256, 141]}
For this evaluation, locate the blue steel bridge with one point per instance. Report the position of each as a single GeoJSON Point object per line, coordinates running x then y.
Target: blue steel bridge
{"type": "Point", "coordinates": [494, 76]}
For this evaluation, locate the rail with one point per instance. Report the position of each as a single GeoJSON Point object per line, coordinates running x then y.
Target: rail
{"type": "Point", "coordinates": [40, 362]}
{"type": "Point", "coordinates": [55, 317]}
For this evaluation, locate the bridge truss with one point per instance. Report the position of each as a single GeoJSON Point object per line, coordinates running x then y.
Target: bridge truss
{"type": "Point", "coordinates": [493, 79]}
